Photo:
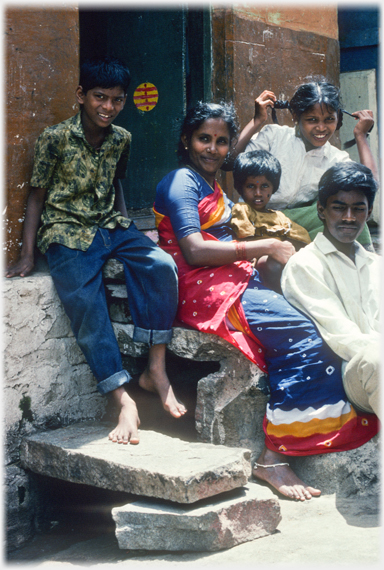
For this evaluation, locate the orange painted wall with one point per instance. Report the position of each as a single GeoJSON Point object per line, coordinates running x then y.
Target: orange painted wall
{"type": "Point", "coordinates": [41, 69]}
{"type": "Point", "coordinates": [314, 18]}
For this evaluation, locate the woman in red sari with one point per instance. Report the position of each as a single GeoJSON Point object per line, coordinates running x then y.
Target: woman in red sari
{"type": "Point", "coordinates": [220, 292]}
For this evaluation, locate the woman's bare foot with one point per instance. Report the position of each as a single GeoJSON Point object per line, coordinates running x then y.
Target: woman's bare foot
{"type": "Point", "coordinates": [160, 384]}
{"type": "Point", "coordinates": [155, 379]}
{"type": "Point", "coordinates": [281, 476]}
{"type": "Point", "coordinates": [127, 429]}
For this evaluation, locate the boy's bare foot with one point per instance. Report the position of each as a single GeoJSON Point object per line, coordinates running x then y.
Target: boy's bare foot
{"type": "Point", "coordinates": [127, 429]}
{"type": "Point", "coordinates": [155, 379]}
{"type": "Point", "coordinates": [160, 384]}
{"type": "Point", "coordinates": [281, 476]}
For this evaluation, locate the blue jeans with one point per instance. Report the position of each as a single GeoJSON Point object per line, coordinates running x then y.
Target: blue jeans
{"type": "Point", "coordinates": [151, 279]}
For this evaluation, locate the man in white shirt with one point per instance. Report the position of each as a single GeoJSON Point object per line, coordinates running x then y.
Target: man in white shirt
{"type": "Point", "coordinates": [335, 281]}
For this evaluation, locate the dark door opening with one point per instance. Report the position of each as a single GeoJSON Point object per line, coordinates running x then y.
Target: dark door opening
{"type": "Point", "coordinates": [169, 49]}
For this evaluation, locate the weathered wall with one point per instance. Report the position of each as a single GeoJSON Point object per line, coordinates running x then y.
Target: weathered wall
{"type": "Point", "coordinates": [257, 48]}
{"type": "Point", "coordinates": [321, 20]}
{"type": "Point", "coordinates": [42, 52]}
{"type": "Point", "coordinates": [46, 379]}
{"type": "Point", "coordinates": [47, 384]}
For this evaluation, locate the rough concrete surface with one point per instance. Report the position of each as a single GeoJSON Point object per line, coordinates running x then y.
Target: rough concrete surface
{"type": "Point", "coordinates": [160, 466]}
{"type": "Point", "coordinates": [215, 524]}
{"type": "Point", "coordinates": [45, 373]}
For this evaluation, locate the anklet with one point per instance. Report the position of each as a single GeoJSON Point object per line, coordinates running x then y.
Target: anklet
{"type": "Point", "coordinates": [274, 465]}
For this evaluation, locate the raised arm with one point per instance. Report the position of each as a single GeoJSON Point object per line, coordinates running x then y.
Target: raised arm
{"type": "Point", "coordinates": [200, 252]}
{"type": "Point", "coordinates": [33, 213]}
{"type": "Point", "coordinates": [364, 123]}
{"type": "Point", "coordinates": [263, 101]}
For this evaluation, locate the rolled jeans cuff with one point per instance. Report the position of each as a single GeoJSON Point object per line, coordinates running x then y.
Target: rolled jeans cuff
{"type": "Point", "coordinates": [152, 337]}
{"type": "Point", "coordinates": [113, 382]}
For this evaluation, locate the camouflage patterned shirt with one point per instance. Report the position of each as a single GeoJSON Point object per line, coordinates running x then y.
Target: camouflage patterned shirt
{"type": "Point", "coordinates": [79, 182]}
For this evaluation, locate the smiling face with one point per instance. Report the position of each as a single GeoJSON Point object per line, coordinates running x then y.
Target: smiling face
{"type": "Point", "coordinates": [317, 125]}
{"type": "Point", "coordinates": [344, 217]}
{"type": "Point", "coordinates": [208, 147]}
{"type": "Point", "coordinates": [100, 106]}
{"type": "Point", "coordinates": [256, 192]}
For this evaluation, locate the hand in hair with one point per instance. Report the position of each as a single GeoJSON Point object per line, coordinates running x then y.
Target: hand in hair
{"type": "Point", "coordinates": [263, 101]}
{"type": "Point", "coordinates": [365, 122]}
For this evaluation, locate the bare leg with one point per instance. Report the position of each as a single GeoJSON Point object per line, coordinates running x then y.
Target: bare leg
{"type": "Point", "coordinates": [128, 425]}
{"type": "Point", "coordinates": [282, 478]}
{"type": "Point", "coordinates": [155, 379]}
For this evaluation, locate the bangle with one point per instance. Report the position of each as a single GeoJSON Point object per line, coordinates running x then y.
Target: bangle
{"type": "Point", "coordinates": [241, 254]}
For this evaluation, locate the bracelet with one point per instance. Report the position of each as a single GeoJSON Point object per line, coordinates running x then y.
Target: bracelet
{"type": "Point", "coordinates": [241, 254]}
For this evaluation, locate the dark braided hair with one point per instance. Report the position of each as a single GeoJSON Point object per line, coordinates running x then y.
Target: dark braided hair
{"type": "Point", "coordinates": [316, 90]}
{"type": "Point", "coordinates": [279, 104]}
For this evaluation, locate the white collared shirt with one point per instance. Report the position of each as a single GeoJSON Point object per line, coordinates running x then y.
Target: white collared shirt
{"type": "Point", "coordinates": [301, 170]}
{"type": "Point", "coordinates": [340, 296]}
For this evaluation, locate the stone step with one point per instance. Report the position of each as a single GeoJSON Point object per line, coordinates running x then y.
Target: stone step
{"type": "Point", "coordinates": [160, 466]}
{"type": "Point", "coordinates": [213, 524]}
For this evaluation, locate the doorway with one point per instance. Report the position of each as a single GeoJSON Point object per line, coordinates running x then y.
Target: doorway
{"type": "Point", "coordinates": [168, 50]}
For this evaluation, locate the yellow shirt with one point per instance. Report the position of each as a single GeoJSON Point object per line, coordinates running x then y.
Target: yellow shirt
{"type": "Point", "coordinates": [247, 222]}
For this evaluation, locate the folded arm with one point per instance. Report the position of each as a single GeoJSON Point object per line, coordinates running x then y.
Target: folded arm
{"type": "Point", "coordinates": [200, 252]}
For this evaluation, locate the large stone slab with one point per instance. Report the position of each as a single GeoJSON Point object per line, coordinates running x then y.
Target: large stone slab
{"type": "Point", "coordinates": [210, 525]}
{"type": "Point", "coordinates": [160, 466]}
{"type": "Point", "coordinates": [231, 405]}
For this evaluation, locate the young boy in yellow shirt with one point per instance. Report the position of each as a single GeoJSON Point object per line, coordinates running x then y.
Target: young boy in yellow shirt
{"type": "Point", "coordinates": [256, 176]}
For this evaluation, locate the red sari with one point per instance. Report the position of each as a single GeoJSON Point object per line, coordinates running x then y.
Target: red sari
{"type": "Point", "coordinates": [208, 295]}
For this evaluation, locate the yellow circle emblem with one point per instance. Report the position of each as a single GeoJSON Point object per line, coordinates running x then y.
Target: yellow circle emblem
{"type": "Point", "coordinates": [145, 97]}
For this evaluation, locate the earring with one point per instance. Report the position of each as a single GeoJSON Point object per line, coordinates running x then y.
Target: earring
{"type": "Point", "coordinates": [186, 148]}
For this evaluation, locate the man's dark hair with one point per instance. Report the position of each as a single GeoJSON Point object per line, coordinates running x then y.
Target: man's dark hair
{"type": "Point", "coordinates": [256, 163]}
{"type": "Point", "coordinates": [345, 177]}
{"type": "Point", "coordinates": [106, 72]}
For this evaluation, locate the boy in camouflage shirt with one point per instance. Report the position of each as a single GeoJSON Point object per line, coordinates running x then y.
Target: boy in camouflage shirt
{"type": "Point", "coordinates": [77, 213]}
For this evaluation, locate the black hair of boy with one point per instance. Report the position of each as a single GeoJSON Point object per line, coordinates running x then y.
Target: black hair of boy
{"type": "Point", "coordinates": [345, 177]}
{"type": "Point", "coordinates": [106, 72]}
{"type": "Point", "coordinates": [256, 163]}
